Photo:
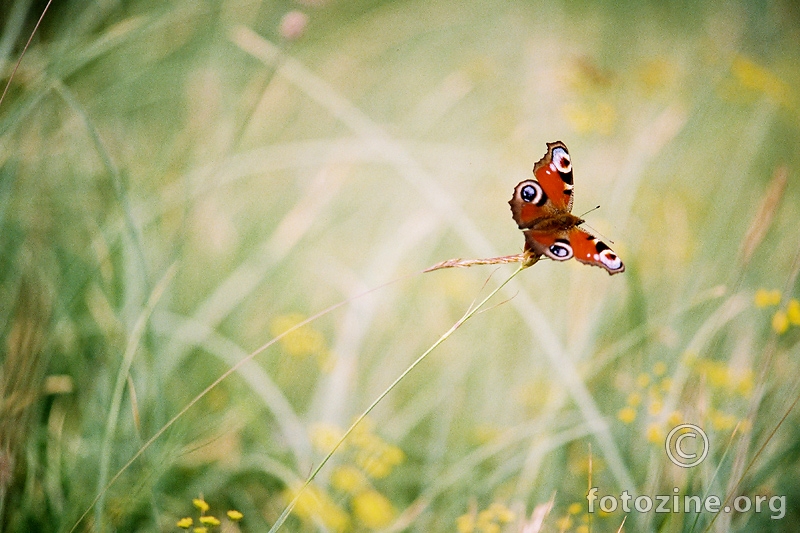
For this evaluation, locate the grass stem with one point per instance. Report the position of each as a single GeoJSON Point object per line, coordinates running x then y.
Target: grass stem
{"type": "Point", "coordinates": [471, 311]}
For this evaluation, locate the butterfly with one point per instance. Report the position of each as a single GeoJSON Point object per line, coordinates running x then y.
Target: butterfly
{"type": "Point", "coordinates": [542, 209]}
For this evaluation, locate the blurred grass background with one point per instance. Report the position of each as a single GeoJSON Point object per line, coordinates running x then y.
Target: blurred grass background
{"type": "Point", "coordinates": [182, 181]}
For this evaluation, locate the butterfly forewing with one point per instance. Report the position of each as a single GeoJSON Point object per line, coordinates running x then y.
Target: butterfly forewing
{"type": "Point", "coordinates": [554, 173]}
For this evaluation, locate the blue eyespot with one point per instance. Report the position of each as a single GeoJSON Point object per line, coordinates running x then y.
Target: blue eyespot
{"type": "Point", "coordinates": [528, 193]}
{"type": "Point", "coordinates": [561, 251]}
{"type": "Point", "coordinates": [531, 192]}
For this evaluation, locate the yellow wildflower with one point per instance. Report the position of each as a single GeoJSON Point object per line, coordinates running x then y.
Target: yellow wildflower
{"type": "Point", "coordinates": [564, 523]}
{"type": "Point", "coordinates": [634, 399]}
{"type": "Point", "coordinates": [765, 298]}
{"type": "Point", "coordinates": [642, 380]}
{"type": "Point", "coordinates": [325, 436]}
{"type": "Point", "coordinates": [575, 508]}
{"type": "Point", "coordinates": [375, 456]}
{"type": "Point", "coordinates": [655, 407]}
{"type": "Point", "coordinates": [299, 342]}
{"type": "Point", "coordinates": [501, 513]}
{"type": "Point", "coordinates": [488, 518]}
{"type": "Point", "coordinates": [793, 312]}
{"type": "Point", "coordinates": [583, 528]}
{"type": "Point", "coordinates": [363, 438]}
{"type": "Point", "coordinates": [716, 373]}
{"type": "Point", "coordinates": [722, 421]}
{"type": "Point", "coordinates": [185, 523]}
{"type": "Point", "coordinates": [393, 455]}
{"type": "Point", "coordinates": [780, 322]}
{"type": "Point", "coordinates": [200, 530]}
{"type": "Point", "coordinates": [654, 393]}
{"type": "Point", "coordinates": [347, 479]}
{"type": "Point", "coordinates": [659, 369]}
{"type": "Point", "coordinates": [656, 74]}
{"type": "Point", "coordinates": [373, 465]}
{"type": "Point", "coordinates": [235, 515]}
{"type": "Point", "coordinates": [754, 76]}
{"type": "Point", "coordinates": [627, 415]}
{"type": "Point", "coordinates": [326, 361]}
{"type": "Point", "coordinates": [465, 523]}
{"type": "Point", "coordinates": [373, 509]}
{"type": "Point", "coordinates": [745, 384]}
{"type": "Point", "coordinates": [209, 520]}
{"type": "Point", "coordinates": [675, 418]}
{"type": "Point", "coordinates": [489, 527]}
{"type": "Point", "coordinates": [315, 503]}
{"type": "Point", "coordinates": [655, 434]}
{"type": "Point", "coordinates": [200, 504]}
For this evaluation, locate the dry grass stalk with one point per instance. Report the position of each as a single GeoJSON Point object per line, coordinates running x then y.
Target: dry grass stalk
{"type": "Point", "coordinates": [766, 211]}
{"type": "Point", "coordinates": [526, 258]}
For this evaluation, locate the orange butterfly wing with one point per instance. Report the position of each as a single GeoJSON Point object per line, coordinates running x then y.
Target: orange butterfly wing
{"type": "Point", "coordinates": [577, 243]}
{"type": "Point", "coordinates": [542, 208]}
{"type": "Point", "coordinates": [549, 193]}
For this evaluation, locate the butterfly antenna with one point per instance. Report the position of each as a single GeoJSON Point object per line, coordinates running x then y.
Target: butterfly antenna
{"type": "Point", "coordinates": [590, 210]}
{"type": "Point", "coordinates": [591, 228]}
{"type": "Point", "coordinates": [595, 232]}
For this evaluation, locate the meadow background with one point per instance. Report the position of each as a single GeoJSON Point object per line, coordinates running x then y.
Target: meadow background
{"type": "Point", "coordinates": [181, 182]}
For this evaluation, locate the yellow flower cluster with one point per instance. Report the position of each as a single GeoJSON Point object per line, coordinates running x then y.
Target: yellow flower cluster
{"type": "Point", "coordinates": [373, 509]}
{"type": "Point", "coordinates": [490, 520]}
{"type": "Point", "coordinates": [758, 78]}
{"type": "Point", "coordinates": [650, 389]}
{"type": "Point", "coordinates": [374, 458]}
{"type": "Point", "coordinates": [207, 521]}
{"type": "Point", "coordinates": [348, 479]}
{"type": "Point", "coordinates": [369, 507]}
{"type": "Point", "coordinates": [325, 436]}
{"type": "Point", "coordinates": [653, 386]}
{"type": "Point", "coordinates": [201, 505]}
{"type": "Point", "coordinates": [567, 521]}
{"type": "Point", "coordinates": [720, 376]}
{"type": "Point", "coordinates": [657, 74]}
{"type": "Point", "coordinates": [301, 341]}
{"type": "Point", "coordinates": [373, 454]}
{"type": "Point", "coordinates": [315, 504]}
{"type": "Point", "coordinates": [767, 298]}
{"type": "Point", "coordinates": [783, 318]}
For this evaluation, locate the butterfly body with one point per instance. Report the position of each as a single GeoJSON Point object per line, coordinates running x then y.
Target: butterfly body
{"type": "Point", "coordinates": [542, 207]}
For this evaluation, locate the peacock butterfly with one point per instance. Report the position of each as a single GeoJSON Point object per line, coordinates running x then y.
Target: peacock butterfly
{"type": "Point", "coordinates": [542, 209]}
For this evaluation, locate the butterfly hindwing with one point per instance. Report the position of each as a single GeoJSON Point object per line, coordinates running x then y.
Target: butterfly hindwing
{"type": "Point", "coordinates": [574, 242]}
{"type": "Point", "coordinates": [529, 204]}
